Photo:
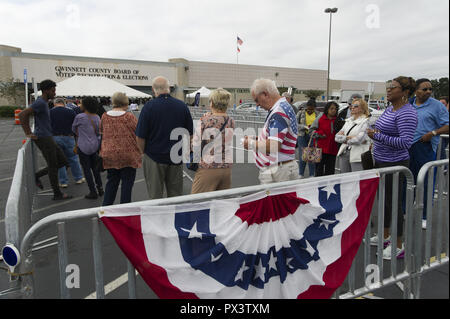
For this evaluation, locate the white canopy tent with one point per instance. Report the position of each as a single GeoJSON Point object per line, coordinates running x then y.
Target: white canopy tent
{"type": "Point", "coordinates": [94, 86]}
{"type": "Point", "coordinates": [204, 92]}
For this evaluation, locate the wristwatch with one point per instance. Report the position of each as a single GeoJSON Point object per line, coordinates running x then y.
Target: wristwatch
{"type": "Point", "coordinates": [434, 132]}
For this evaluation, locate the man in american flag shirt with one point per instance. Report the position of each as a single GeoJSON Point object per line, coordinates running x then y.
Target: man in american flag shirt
{"type": "Point", "coordinates": [274, 148]}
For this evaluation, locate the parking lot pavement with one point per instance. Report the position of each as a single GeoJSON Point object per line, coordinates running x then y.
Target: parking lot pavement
{"type": "Point", "coordinates": [434, 284]}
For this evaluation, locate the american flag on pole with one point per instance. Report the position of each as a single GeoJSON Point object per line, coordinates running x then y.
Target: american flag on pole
{"type": "Point", "coordinates": [239, 41]}
{"type": "Point", "coordinates": [292, 242]}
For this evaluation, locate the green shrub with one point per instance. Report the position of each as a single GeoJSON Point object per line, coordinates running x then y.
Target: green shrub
{"type": "Point", "coordinates": [8, 110]}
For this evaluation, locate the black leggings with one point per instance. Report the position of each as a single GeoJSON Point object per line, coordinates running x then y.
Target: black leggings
{"type": "Point", "coordinates": [388, 195]}
{"type": "Point", "coordinates": [89, 165]}
{"type": "Point", "coordinates": [326, 165]}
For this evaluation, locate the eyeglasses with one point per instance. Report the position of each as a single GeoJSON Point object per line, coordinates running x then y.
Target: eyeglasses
{"type": "Point", "coordinates": [391, 87]}
{"type": "Point", "coordinates": [427, 89]}
{"type": "Point", "coordinates": [354, 106]}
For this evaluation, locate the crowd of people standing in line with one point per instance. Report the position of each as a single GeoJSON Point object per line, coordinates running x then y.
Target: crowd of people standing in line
{"type": "Point", "coordinates": [406, 134]}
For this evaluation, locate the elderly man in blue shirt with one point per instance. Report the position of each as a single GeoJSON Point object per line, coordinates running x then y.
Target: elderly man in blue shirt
{"type": "Point", "coordinates": [432, 121]}
{"type": "Point", "coordinates": [161, 118]}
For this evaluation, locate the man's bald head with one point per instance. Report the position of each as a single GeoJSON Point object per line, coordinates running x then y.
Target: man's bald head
{"type": "Point", "coordinates": [160, 85]}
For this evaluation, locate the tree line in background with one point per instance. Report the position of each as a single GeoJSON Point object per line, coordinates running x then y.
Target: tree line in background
{"type": "Point", "coordinates": [440, 87]}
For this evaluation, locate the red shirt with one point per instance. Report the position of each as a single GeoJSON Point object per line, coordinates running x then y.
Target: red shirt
{"type": "Point", "coordinates": [326, 128]}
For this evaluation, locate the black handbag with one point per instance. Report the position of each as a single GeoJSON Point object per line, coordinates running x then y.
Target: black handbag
{"type": "Point", "coordinates": [194, 166]}
{"type": "Point", "coordinates": [367, 160]}
{"type": "Point", "coordinates": [98, 160]}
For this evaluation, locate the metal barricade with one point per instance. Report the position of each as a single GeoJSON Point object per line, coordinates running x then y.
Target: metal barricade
{"type": "Point", "coordinates": [59, 220]}
{"type": "Point", "coordinates": [20, 199]}
{"type": "Point", "coordinates": [19, 205]}
{"type": "Point", "coordinates": [371, 266]}
{"type": "Point", "coordinates": [366, 264]}
{"type": "Point", "coordinates": [244, 125]}
{"type": "Point", "coordinates": [432, 173]}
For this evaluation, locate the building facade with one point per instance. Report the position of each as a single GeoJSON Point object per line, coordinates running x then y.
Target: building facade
{"type": "Point", "coordinates": [185, 76]}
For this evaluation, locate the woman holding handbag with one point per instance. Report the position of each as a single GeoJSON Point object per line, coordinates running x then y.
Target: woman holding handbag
{"type": "Point", "coordinates": [87, 134]}
{"type": "Point", "coordinates": [305, 119]}
{"type": "Point", "coordinates": [353, 137]}
{"type": "Point", "coordinates": [214, 169]}
{"type": "Point", "coordinates": [325, 140]}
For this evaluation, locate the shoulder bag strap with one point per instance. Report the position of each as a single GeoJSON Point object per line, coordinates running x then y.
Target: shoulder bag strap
{"type": "Point", "coordinates": [351, 129]}
{"type": "Point", "coordinates": [223, 126]}
{"type": "Point", "coordinates": [93, 126]}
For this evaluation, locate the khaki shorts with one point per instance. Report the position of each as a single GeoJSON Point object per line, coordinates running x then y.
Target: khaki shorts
{"type": "Point", "coordinates": [279, 173]}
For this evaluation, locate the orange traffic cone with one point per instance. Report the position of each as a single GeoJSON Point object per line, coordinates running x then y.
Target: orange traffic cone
{"type": "Point", "coordinates": [16, 116]}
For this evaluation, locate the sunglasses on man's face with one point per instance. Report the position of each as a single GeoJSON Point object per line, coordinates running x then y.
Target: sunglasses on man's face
{"type": "Point", "coordinates": [427, 89]}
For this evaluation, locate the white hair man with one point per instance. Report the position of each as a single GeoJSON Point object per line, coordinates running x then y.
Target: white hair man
{"type": "Point", "coordinates": [158, 118]}
{"type": "Point", "coordinates": [274, 148]}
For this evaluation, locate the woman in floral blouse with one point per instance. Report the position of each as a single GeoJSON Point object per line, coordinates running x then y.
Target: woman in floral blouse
{"type": "Point", "coordinates": [214, 171]}
{"type": "Point", "coordinates": [119, 150]}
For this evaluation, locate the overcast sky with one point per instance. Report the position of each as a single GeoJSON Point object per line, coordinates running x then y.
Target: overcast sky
{"type": "Point", "coordinates": [373, 40]}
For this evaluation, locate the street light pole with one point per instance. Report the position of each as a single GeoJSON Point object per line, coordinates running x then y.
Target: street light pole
{"type": "Point", "coordinates": [330, 11]}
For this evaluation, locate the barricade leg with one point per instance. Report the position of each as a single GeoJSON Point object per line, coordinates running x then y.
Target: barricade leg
{"type": "Point", "coordinates": [98, 264]}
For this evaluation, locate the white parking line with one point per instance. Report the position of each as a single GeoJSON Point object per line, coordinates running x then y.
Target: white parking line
{"type": "Point", "coordinates": [113, 285]}
{"type": "Point", "coordinates": [64, 202]}
{"type": "Point", "coordinates": [6, 179]}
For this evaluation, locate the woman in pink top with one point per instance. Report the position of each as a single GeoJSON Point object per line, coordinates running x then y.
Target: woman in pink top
{"type": "Point", "coordinates": [119, 150]}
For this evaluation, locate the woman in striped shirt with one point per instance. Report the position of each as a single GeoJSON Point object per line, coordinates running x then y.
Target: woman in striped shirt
{"type": "Point", "coordinates": [392, 137]}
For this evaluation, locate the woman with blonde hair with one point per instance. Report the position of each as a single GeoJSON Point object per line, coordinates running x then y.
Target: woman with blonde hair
{"type": "Point", "coordinates": [353, 137]}
{"type": "Point", "coordinates": [214, 172]}
{"type": "Point", "coordinates": [119, 149]}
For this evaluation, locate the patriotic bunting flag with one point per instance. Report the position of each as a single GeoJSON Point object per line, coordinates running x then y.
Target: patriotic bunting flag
{"type": "Point", "coordinates": [296, 242]}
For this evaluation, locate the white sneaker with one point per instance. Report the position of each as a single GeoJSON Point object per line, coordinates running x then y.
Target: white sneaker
{"type": "Point", "coordinates": [81, 181]}
{"type": "Point", "coordinates": [400, 252]}
{"type": "Point", "coordinates": [63, 185]}
{"type": "Point", "coordinates": [300, 176]}
{"type": "Point", "coordinates": [374, 241]}
{"type": "Point", "coordinates": [424, 224]}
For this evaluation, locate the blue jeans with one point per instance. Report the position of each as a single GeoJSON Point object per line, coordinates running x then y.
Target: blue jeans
{"type": "Point", "coordinates": [420, 154]}
{"type": "Point", "coordinates": [66, 143]}
{"type": "Point", "coordinates": [303, 142]}
{"type": "Point", "coordinates": [127, 175]}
